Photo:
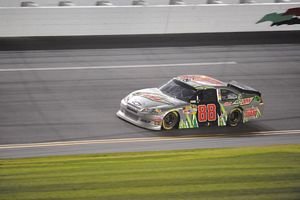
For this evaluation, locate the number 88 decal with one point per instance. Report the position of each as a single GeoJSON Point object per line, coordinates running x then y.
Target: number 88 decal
{"type": "Point", "coordinates": [207, 113]}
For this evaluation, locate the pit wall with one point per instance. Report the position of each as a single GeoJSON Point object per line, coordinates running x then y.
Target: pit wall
{"type": "Point", "coordinates": [17, 3]}
{"type": "Point", "coordinates": [129, 20]}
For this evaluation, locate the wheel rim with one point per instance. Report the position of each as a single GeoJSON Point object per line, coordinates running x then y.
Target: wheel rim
{"type": "Point", "coordinates": [235, 118]}
{"type": "Point", "coordinates": [170, 120]}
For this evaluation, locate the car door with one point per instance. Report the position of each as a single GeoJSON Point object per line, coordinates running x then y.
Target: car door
{"type": "Point", "coordinates": [208, 107]}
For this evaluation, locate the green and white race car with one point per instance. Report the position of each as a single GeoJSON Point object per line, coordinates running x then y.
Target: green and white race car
{"type": "Point", "coordinates": [192, 101]}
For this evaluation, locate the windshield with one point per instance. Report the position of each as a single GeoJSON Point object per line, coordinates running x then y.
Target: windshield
{"type": "Point", "coordinates": [178, 90]}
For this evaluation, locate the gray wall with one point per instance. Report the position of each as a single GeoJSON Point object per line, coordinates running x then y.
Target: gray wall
{"type": "Point", "coordinates": [16, 3]}
{"type": "Point", "coordinates": [127, 20]}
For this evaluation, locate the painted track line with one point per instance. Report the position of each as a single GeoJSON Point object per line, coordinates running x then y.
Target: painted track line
{"type": "Point", "coordinates": [134, 140]}
{"type": "Point", "coordinates": [283, 132]}
{"type": "Point", "coordinates": [118, 67]}
{"type": "Point", "coordinates": [104, 141]}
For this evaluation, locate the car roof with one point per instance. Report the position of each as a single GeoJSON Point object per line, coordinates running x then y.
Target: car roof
{"type": "Point", "coordinates": [200, 81]}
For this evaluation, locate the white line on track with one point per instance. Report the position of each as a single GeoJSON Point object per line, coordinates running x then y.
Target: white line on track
{"type": "Point", "coordinates": [104, 141]}
{"type": "Point", "coordinates": [134, 140]}
{"type": "Point", "coordinates": [283, 132]}
{"type": "Point", "coordinates": [118, 67]}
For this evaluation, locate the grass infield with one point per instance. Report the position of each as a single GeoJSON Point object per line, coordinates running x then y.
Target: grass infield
{"type": "Point", "coordinates": [270, 172]}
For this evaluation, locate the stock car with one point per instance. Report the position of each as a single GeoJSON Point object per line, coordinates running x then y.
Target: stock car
{"type": "Point", "coordinates": [192, 101]}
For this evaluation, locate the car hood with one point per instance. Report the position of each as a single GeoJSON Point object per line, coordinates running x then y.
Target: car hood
{"type": "Point", "coordinates": [152, 98]}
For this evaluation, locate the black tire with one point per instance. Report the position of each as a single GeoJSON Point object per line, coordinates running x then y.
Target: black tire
{"type": "Point", "coordinates": [235, 117]}
{"type": "Point", "coordinates": [170, 121]}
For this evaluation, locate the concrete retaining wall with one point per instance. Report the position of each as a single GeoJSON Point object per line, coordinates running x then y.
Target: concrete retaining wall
{"type": "Point", "coordinates": [17, 3]}
{"type": "Point", "coordinates": [128, 20]}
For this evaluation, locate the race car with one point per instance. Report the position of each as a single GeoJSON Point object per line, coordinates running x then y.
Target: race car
{"type": "Point", "coordinates": [192, 101]}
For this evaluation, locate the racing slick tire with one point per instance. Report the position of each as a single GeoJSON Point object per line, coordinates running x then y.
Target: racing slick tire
{"type": "Point", "coordinates": [170, 121]}
{"type": "Point", "coordinates": [235, 117]}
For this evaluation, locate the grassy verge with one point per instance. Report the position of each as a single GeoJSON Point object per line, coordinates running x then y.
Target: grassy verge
{"type": "Point", "coordinates": [271, 172]}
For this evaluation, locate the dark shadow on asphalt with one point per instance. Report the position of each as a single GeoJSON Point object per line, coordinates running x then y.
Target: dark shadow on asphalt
{"type": "Point", "coordinates": [247, 129]}
{"type": "Point", "coordinates": [144, 41]}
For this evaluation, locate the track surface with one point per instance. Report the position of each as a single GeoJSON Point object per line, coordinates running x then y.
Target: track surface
{"type": "Point", "coordinates": [80, 104]}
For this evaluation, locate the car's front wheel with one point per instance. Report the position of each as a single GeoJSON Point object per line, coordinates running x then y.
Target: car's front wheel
{"type": "Point", "coordinates": [235, 117]}
{"type": "Point", "coordinates": [170, 121]}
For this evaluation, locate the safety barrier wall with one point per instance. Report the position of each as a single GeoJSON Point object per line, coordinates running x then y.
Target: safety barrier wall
{"type": "Point", "coordinates": [17, 3]}
{"type": "Point", "coordinates": [127, 20]}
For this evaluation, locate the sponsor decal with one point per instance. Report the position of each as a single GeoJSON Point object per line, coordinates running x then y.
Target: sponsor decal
{"type": "Point", "coordinates": [246, 101]}
{"type": "Point", "coordinates": [157, 120]}
{"type": "Point", "coordinates": [289, 17]}
{"type": "Point", "coordinates": [257, 99]}
{"type": "Point", "coordinates": [188, 121]}
{"type": "Point", "coordinates": [251, 112]}
{"type": "Point", "coordinates": [136, 103]}
{"type": "Point", "coordinates": [157, 123]}
{"type": "Point", "coordinates": [188, 117]}
{"type": "Point", "coordinates": [222, 119]}
{"type": "Point", "coordinates": [152, 97]}
{"type": "Point", "coordinates": [192, 109]}
{"type": "Point", "coordinates": [228, 104]}
{"type": "Point", "coordinates": [200, 78]}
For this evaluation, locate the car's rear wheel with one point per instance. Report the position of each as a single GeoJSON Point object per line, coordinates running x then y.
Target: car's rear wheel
{"type": "Point", "coordinates": [235, 117]}
{"type": "Point", "coordinates": [170, 121]}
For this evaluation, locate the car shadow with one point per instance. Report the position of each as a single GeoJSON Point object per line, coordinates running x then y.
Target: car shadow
{"type": "Point", "coordinates": [243, 130]}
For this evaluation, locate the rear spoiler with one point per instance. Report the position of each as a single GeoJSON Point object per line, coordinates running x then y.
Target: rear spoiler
{"type": "Point", "coordinates": [242, 88]}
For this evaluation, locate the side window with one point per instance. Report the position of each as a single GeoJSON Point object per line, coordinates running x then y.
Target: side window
{"type": "Point", "coordinates": [228, 95]}
{"type": "Point", "coordinates": [188, 94]}
{"type": "Point", "coordinates": [208, 96]}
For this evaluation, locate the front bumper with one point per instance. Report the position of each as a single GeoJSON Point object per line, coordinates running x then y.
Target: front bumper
{"type": "Point", "coordinates": [148, 121]}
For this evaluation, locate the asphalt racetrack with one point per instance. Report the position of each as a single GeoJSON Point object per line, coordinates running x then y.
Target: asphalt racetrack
{"type": "Point", "coordinates": [52, 97]}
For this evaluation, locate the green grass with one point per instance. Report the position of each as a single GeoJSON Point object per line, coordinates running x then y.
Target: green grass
{"type": "Point", "coordinates": [271, 172]}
